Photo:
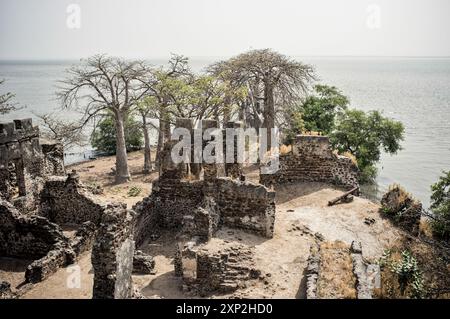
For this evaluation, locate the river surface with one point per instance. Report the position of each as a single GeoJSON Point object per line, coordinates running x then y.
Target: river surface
{"type": "Point", "coordinates": [415, 91]}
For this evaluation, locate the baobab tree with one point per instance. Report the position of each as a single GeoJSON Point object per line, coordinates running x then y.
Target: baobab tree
{"type": "Point", "coordinates": [101, 84]}
{"type": "Point", "coordinates": [168, 85]}
{"type": "Point", "coordinates": [271, 78]}
{"type": "Point", "coordinates": [147, 109]}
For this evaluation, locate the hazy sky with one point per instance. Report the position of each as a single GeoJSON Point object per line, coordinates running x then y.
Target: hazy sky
{"type": "Point", "coordinates": [43, 29]}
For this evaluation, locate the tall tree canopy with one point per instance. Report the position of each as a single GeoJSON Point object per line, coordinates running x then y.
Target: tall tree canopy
{"type": "Point", "coordinates": [101, 84]}
{"type": "Point", "coordinates": [440, 205]}
{"type": "Point", "coordinates": [365, 135]}
{"type": "Point", "coordinates": [320, 109]}
{"type": "Point", "coordinates": [272, 79]}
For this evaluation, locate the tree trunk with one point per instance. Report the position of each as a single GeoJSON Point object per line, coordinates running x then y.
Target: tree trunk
{"type": "Point", "coordinates": [147, 151]}
{"type": "Point", "coordinates": [269, 111]}
{"type": "Point", "coordinates": [226, 110]}
{"type": "Point", "coordinates": [241, 114]}
{"type": "Point", "coordinates": [163, 134]}
{"type": "Point", "coordinates": [122, 172]}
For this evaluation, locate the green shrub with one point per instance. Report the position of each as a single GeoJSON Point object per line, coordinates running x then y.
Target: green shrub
{"type": "Point", "coordinates": [406, 274]}
{"type": "Point", "coordinates": [134, 191]}
{"type": "Point", "coordinates": [440, 206]}
{"type": "Point", "coordinates": [104, 136]}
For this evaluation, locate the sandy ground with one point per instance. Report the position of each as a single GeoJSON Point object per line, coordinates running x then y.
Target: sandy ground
{"type": "Point", "coordinates": [72, 282]}
{"type": "Point", "coordinates": [98, 173]}
{"type": "Point", "coordinates": [12, 270]}
{"type": "Point", "coordinates": [302, 216]}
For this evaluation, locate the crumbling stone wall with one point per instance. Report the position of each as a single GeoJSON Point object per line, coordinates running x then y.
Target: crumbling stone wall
{"type": "Point", "coordinates": [53, 157]}
{"type": "Point", "coordinates": [205, 270]}
{"type": "Point", "coordinates": [202, 222]}
{"type": "Point", "coordinates": [24, 163]}
{"type": "Point", "coordinates": [200, 206]}
{"type": "Point", "coordinates": [33, 237]}
{"type": "Point", "coordinates": [84, 238]}
{"type": "Point", "coordinates": [312, 160]}
{"type": "Point", "coordinates": [112, 254]}
{"type": "Point", "coordinates": [363, 272]}
{"type": "Point", "coordinates": [246, 205]}
{"type": "Point", "coordinates": [65, 201]}
{"type": "Point", "coordinates": [404, 210]}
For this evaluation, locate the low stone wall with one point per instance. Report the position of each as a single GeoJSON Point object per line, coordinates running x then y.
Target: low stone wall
{"type": "Point", "coordinates": [312, 272]}
{"type": "Point", "coordinates": [65, 201]}
{"type": "Point", "coordinates": [312, 160]}
{"type": "Point", "coordinates": [84, 238]}
{"type": "Point", "coordinates": [33, 237]}
{"type": "Point", "coordinates": [363, 272]}
{"type": "Point", "coordinates": [206, 270]}
{"type": "Point", "coordinates": [112, 254]}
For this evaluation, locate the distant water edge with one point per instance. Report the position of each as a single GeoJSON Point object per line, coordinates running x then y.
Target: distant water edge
{"type": "Point", "coordinates": [415, 91]}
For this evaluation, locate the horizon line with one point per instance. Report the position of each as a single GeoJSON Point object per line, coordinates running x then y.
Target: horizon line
{"type": "Point", "coordinates": [227, 56]}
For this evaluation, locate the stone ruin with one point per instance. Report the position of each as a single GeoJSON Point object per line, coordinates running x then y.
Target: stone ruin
{"type": "Point", "coordinates": [403, 210]}
{"type": "Point", "coordinates": [312, 160]}
{"type": "Point", "coordinates": [364, 273]}
{"type": "Point", "coordinates": [195, 202]}
{"type": "Point", "coordinates": [40, 203]}
{"type": "Point", "coordinates": [25, 162]}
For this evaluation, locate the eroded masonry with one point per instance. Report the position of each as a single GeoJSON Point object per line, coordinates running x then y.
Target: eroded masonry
{"type": "Point", "coordinates": [50, 217]}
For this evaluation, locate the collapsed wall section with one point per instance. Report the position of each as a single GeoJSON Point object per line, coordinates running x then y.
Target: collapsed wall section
{"type": "Point", "coordinates": [24, 163]}
{"type": "Point", "coordinates": [312, 160]}
{"type": "Point", "coordinates": [33, 237]}
{"type": "Point", "coordinates": [218, 266]}
{"type": "Point", "coordinates": [246, 205]}
{"type": "Point", "coordinates": [65, 201]}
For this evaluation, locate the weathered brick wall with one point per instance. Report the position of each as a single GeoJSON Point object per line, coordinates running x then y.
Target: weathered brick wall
{"type": "Point", "coordinates": [64, 200]}
{"type": "Point", "coordinates": [222, 269]}
{"type": "Point", "coordinates": [312, 160]}
{"type": "Point", "coordinates": [24, 163]}
{"type": "Point", "coordinates": [202, 205]}
{"type": "Point", "coordinates": [246, 205]}
{"type": "Point", "coordinates": [203, 221]}
{"type": "Point", "coordinates": [112, 254]}
{"type": "Point", "coordinates": [33, 237]}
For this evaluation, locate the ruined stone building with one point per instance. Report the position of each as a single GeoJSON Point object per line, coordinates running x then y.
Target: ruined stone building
{"type": "Point", "coordinates": [312, 160]}
{"type": "Point", "coordinates": [39, 201]}
{"type": "Point", "coordinates": [25, 162]}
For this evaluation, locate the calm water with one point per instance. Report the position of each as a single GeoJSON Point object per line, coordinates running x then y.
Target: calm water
{"type": "Point", "coordinates": [415, 91]}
